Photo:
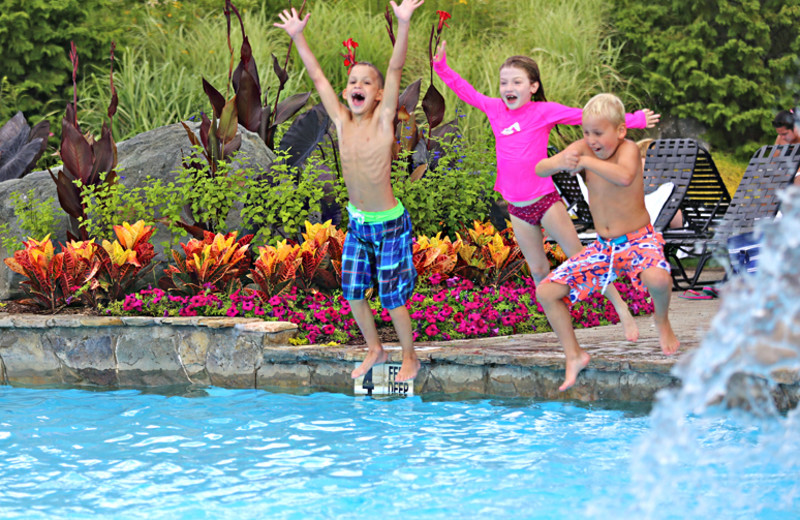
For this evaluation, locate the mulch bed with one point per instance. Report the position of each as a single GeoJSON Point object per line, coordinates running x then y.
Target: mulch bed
{"type": "Point", "coordinates": [14, 307]}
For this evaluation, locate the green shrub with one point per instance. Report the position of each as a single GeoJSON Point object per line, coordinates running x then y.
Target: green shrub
{"type": "Point", "coordinates": [35, 37]}
{"type": "Point", "coordinates": [449, 197]}
{"type": "Point", "coordinates": [729, 65]}
{"type": "Point", "coordinates": [36, 219]}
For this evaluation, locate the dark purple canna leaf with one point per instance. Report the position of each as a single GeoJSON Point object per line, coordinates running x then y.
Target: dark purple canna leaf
{"type": "Point", "coordinates": [410, 97]}
{"type": "Point", "coordinates": [196, 231]}
{"type": "Point", "coordinates": [248, 64]}
{"type": "Point", "coordinates": [266, 111]}
{"type": "Point", "coordinates": [434, 150]}
{"type": "Point", "coordinates": [305, 133]}
{"type": "Point", "coordinates": [192, 138]}
{"type": "Point", "coordinates": [68, 194]}
{"type": "Point", "coordinates": [232, 146]}
{"type": "Point", "coordinates": [228, 121]}
{"type": "Point", "coordinates": [205, 130]}
{"type": "Point", "coordinates": [12, 130]}
{"type": "Point", "coordinates": [217, 100]}
{"type": "Point", "coordinates": [389, 19]}
{"type": "Point", "coordinates": [290, 106]}
{"type": "Point", "coordinates": [433, 106]}
{"type": "Point", "coordinates": [104, 152]}
{"type": "Point", "coordinates": [15, 164]}
{"type": "Point", "coordinates": [283, 76]}
{"type": "Point", "coordinates": [248, 102]}
{"type": "Point", "coordinates": [41, 129]}
{"type": "Point", "coordinates": [75, 151]}
{"type": "Point", "coordinates": [21, 146]}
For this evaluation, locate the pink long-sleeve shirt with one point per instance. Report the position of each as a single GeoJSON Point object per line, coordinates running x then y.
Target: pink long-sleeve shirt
{"type": "Point", "coordinates": [521, 135]}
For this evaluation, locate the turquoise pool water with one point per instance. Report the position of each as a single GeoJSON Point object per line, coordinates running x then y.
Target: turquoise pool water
{"type": "Point", "coordinates": [253, 454]}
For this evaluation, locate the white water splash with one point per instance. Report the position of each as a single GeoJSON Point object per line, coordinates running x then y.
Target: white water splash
{"type": "Point", "coordinates": [718, 446]}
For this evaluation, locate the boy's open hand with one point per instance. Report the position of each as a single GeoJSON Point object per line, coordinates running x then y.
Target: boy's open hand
{"type": "Point", "coordinates": [651, 117]}
{"type": "Point", "coordinates": [291, 22]}
{"type": "Point", "coordinates": [406, 9]}
{"type": "Point", "coordinates": [440, 55]}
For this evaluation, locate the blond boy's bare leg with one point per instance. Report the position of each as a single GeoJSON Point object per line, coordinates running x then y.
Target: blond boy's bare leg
{"type": "Point", "coordinates": [559, 226]}
{"type": "Point", "coordinates": [659, 283]}
{"type": "Point", "coordinates": [366, 323]}
{"type": "Point", "coordinates": [550, 295]}
{"type": "Point", "coordinates": [401, 320]}
{"type": "Point", "coordinates": [624, 313]}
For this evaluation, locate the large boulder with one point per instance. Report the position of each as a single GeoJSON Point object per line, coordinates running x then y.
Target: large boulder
{"type": "Point", "coordinates": [157, 153]}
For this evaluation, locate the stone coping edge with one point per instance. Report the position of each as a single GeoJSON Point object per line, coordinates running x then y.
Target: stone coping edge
{"type": "Point", "coordinates": [122, 352]}
{"type": "Point", "coordinates": [40, 321]}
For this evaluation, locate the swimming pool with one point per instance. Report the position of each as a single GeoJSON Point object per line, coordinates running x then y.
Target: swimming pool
{"type": "Point", "coordinates": [215, 453]}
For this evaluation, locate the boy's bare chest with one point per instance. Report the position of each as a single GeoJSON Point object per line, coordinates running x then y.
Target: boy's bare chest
{"type": "Point", "coordinates": [364, 141]}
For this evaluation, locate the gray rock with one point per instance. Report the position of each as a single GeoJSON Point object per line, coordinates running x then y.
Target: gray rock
{"type": "Point", "coordinates": [157, 153]}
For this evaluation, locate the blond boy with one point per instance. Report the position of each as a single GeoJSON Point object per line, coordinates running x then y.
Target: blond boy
{"type": "Point", "coordinates": [378, 244]}
{"type": "Point", "coordinates": [626, 243]}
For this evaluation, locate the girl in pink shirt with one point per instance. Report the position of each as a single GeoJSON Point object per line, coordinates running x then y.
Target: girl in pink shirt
{"type": "Point", "coordinates": [521, 120]}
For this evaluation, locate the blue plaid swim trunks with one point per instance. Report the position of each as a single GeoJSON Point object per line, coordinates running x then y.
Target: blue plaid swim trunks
{"type": "Point", "coordinates": [602, 261]}
{"type": "Point", "coordinates": [379, 250]}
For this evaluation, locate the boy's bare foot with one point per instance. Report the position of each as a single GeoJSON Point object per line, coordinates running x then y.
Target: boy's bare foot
{"type": "Point", "coordinates": [374, 357]}
{"type": "Point", "coordinates": [629, 326]}
{"type": "Point", "coordinates": [408, 370]}
{"type": "Point", "coordinates": [574, 368]}
{"type": "Point", "coordinates": [669, 343]}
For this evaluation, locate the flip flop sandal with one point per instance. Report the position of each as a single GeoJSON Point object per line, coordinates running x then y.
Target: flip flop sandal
{"type": "Point", "coordinates": [711, 291]}
{"type": "Point", "coordinates": [691, 294]}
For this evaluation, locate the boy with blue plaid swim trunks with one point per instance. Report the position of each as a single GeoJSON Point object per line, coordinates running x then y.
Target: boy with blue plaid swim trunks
{"type": "Point", "coordinates": [626, 245]}
{"type": "Point", "coordinates": [378, 247]}
{"type": "Point", "coordinates": [378, 244]}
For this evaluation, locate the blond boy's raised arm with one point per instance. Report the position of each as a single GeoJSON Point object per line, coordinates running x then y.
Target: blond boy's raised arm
{"type": "Point", "coordinates": [294, 26]}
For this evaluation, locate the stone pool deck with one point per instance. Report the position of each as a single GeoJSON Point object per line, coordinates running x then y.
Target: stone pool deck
{"type": "Point", "coordinates": [113, 352]}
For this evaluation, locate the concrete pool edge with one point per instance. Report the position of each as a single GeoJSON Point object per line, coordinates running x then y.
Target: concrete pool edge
{"type": "Point", "coordinates": [114, 352]}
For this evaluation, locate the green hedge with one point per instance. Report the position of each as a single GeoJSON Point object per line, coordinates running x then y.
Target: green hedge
{"type": "Point", "coordinates": [730, 65]}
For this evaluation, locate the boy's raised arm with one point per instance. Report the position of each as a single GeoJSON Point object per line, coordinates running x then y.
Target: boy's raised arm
{"type": "Point", "coordinates": [294, 26]}
{"type": "Point", "coordinates": [391, 87]}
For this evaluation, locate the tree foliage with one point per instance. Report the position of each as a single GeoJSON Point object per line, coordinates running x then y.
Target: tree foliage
{"type": "Point", "coordinates": [728, 64]}
{"type": "Point", "coordinates": [35, 36]}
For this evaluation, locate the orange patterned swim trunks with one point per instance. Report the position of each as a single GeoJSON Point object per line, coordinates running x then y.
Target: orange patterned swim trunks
{"type": "Point", "coordinates": [604, 260]}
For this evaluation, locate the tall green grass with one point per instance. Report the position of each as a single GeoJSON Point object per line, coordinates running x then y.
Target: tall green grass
{"type": "Point", "coordinates": [161, 63]}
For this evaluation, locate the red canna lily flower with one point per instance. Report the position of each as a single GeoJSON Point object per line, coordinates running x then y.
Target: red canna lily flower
{"type": "Point", "coordinates": [350, 57]}
{"type": "Point", "coordinates": [443, 17]}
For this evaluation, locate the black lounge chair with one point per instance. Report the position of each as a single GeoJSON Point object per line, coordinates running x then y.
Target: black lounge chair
{"type": "Point", "coordinates": [569, 189]}
{"type": "Point", "coordinates": [699, 191]}
{"type": "Point", "coordinates": [770, 170]}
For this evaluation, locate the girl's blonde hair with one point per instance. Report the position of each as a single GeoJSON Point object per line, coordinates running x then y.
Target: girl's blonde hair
{"type": "Point", "coordinates": [607, 106]}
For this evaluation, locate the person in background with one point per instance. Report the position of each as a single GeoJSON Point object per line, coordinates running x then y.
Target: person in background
{"type": "Point", "coordinates": [788, 133]}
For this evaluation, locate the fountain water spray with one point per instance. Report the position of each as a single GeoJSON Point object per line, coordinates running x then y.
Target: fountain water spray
{"type": "Point", "coordinates": [725, 436]}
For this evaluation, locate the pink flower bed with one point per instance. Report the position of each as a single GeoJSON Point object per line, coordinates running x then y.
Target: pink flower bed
{"type": "Point", "coordinates": [441, 309]}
